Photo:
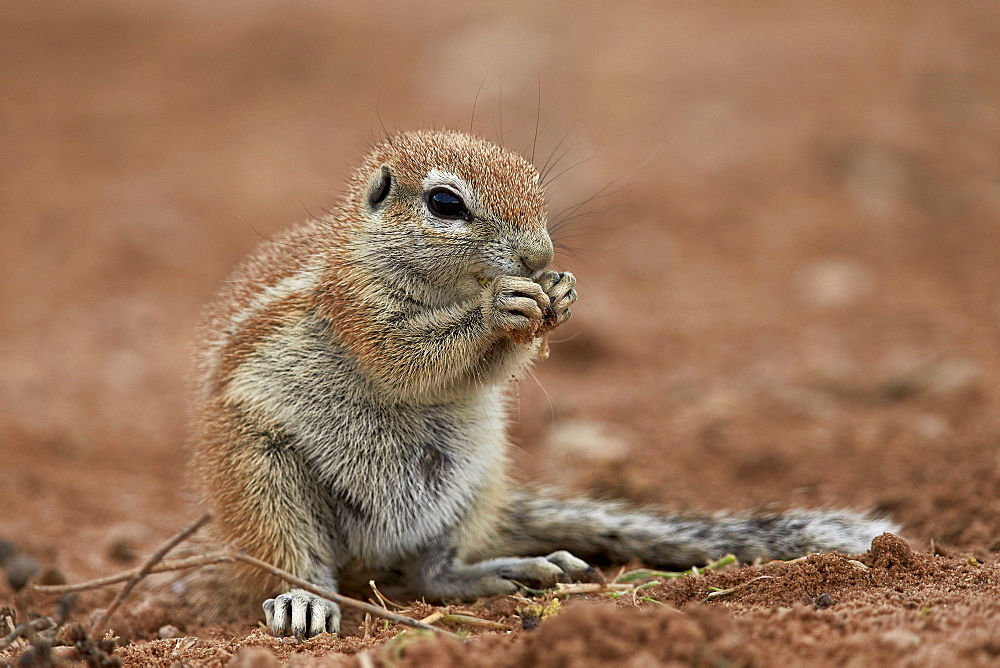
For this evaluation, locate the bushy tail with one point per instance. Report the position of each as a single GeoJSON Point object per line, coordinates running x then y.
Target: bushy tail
{"type": "Point", "coordinates": [539, 523]}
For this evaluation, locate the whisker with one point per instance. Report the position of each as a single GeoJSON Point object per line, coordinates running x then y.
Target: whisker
{"type": "Point", "coordinates": [569, 149]}
{"type": "Point", "coordinates": [557, 146]}
{"type": "Point", "coordinates": [472, 121]}
{"type": "Point", "coordinates": [573, 166]}
{"type": "Point", "coordinates": [552, 402]}
{"type": "Point", "coordinates": [500, 110]}
{"type": "Point", "coordinates": [538, 116]}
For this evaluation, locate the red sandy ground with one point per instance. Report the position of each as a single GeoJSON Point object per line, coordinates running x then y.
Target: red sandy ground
{"type": "Point", "coordinates": [792, 298]}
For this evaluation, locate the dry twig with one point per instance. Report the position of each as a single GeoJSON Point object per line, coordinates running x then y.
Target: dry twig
{"type": "Point", "coordinates": [449, 617]}
{"type": "Point", "coordinates": [143, 571]}
{"type": "Point", "coordinates": [591, 587]}
{"type": "Point", "coordinates": [162, 567]}
{"type": "Point", "coordinates": [433, 617]}
{"type": "Point", "coordinates": [26, 629]}
{"type": "Point", "coordinates": [383, 599]}
{"type": "Point", "coordinates": [469, 620]}
{"type": "Point", "coordinates": [725, 592]}
{"type": "Point", "coordinates": [153, 565]}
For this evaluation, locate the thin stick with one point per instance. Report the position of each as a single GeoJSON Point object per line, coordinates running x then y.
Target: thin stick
{"type": "Point", "coordinates": [162, 567]}
{"type": "Point", "coordinates": [382, 598]}
{"type": "Point", "coordinates": [433, 617]}
{"type": "Point", "coordinates": [591, 587]}
{"type": "Point", "coordinates": [739, 587]}
{"type": "Point", "coordinates": [449, 617]}
{"type": "Point", "coordinates": [371, 583]}
{"type": "Point", "coordinates": [26, 629]}
{"type": "Point", "coordinates": [469, 620]}
{"type": "Point", "coordinates": [152, 566]}
{"type": "Point", "coordinates": [144, 570]}
{"type": "Point", "coordinates": [338, 598]}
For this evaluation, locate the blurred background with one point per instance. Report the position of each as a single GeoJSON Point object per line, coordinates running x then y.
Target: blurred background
{"type": "Point", "coordinates": [789, 278]}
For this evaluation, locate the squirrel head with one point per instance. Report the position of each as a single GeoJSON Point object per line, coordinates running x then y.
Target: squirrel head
{"type": "Point", "coordinates": [443, 212]}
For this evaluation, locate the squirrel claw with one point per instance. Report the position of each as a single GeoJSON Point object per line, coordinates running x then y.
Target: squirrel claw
{"type": "Point", "coordinates": [558, 286]}
{"type": "Point", "coordinates": [545, 572]}
{"type": "Point", "coordinates": [301, 614]}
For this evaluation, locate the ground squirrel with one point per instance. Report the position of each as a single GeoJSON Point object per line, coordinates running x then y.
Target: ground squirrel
{"type": "Point", "coordinates": [350, 399]}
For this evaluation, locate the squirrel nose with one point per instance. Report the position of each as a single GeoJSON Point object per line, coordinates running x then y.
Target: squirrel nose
{"type": "Point", "coordinates": [537, 257]}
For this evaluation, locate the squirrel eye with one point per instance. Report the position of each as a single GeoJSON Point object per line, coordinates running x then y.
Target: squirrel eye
{"type": "Point", "coordinates": [381, 189]}
{"type": "Point", "coordinates": [443, 203]}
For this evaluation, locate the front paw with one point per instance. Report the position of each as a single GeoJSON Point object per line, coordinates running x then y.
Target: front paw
{"type": "Point", "coordinates": [559, 288]}
{"type": "Point", "coordinates": [515, 306]}
{"type": "Point", "coordinates": [301, 614]}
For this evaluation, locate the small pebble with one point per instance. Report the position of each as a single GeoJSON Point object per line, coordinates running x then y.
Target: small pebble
{"type": "Point", "coordinates": [124, 540]}
{"type": "Point", "coordinates": [824, 601]}
{"type": "Point", "coordinates": [123, 551]}
{"type": "Point", "coordinates": [6, 550]}
{"type": "Point", "coordinates": [20, 570]}
{"type": "Point", "coordinates": [51, 576]}
{"type": "Point", "coordinates": [169, 631]}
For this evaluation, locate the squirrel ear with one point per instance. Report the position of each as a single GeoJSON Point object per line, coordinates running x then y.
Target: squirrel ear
{"type": "Point", "coordinates": [380, 186]}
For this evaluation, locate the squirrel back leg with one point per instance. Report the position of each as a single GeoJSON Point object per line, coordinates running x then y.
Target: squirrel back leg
{"type": "Point", "coordinates": [455, 566]}
{"type": "Point", "coordinates": [284, 526]}
{"type": "Point", "coordinates": [539, 523]}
